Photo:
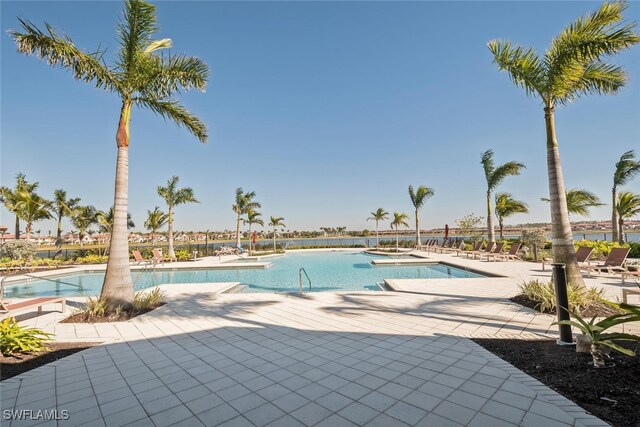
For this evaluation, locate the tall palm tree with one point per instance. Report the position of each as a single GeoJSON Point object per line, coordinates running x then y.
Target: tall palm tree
{"type": "Point", "coordinates": [377, 216]}
{"type": "Point", "coordinates": [627, 168]}
{"type": "Point", "coordinates": [244, 203]}
{"type": "Point", "coordinates": [494, 176]}
{"type": "Point", "coordinates": [156, 219]}
{"type": "Point", "coordinates": [141, 75]}
{"type": "Point", "coordinates": [82, 218]}
{"type": "Point", "coordinates": [63, 207]}
{"type": "Point", "coordinates": [274, 222]}
{"type": "Point", "coordinates": [10, 198]}
{"type": "Point", "coordinates": [32, 208]}
{"type": "Point", "coordinates": [174, 196]}
{"type": "Point", "coordinates": [570, 68]}
{"type": "Point", "coordinates": [418, 198]}
{"type": "Point", "coordinates": [398, 220]}
{"type": "Point", "coordinates": [579, 201]}
{"type": "Point", "coordinates": [253, 217]}
{"type": "Point", "coordinates": [627, 206]}
{"type": "Point", "coordinates": [507, 206]}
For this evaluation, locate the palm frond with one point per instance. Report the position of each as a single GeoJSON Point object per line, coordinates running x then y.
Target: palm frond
{"type": "Point", "coordinates": [628, 205]}
{"type": "Point", "coordinates": [59, 50]}
{"type": "Point", "coordinates": [487, 164]}
{"type": "Point", "coordinates": [175, 73]}
{"type": "Point", "coordinates": [627, 168]}
{"type": "Point", "coordinates": [512, 168]}
{"type": "Point", "coordinates": [523, 65]}
{"type": "Point", "coordinates": [171, 109]}
{"type": "Point", "coordinates": [507, 206]}
{"type": "Point", "coordinates": [135, 29]}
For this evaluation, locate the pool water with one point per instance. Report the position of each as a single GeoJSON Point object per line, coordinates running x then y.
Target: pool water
{"type": "Point", "coordinates": [328, 271]}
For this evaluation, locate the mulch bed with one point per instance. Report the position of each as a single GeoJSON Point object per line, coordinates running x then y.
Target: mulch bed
{"type": "Point", "coordinates": [122, 317]}
{"type": "Point", "coordinates": [598, 310]}
{"type": "Point", "coordinates": [611, 394]}
{"type": "Point", "coordinates": [16, 365]}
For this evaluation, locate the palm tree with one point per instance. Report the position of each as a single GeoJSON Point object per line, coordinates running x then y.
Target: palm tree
{"type": "Point", "coordinates": [156, 219]}
{"type": "Point", "coordinates": [105, 220]}
{"type": "Point", "coordinates": [10, 198]}
{"type": "Point", "coordinates": [626, 169]}
{"type": "Point", "coordinates": [398, 220]}
{"type": "Point", "coordinates": [627, 206]}
{"type": "Point", "coordinates": [579, 201]}
{"type": "Point", "coordinates": [570, 68]}
{"type": "Point", "coordinates": [32, 208]}
{"type": "Point", "coordinates": [494, 176]}
{"type": "Point", "coordinates": [507, 206]}
{"type": "Point", "coordinates": [244, 203]}
{"type": "Point", "coordinates": [253, 217]}
{"type": "Point", "coordinates": [174, 197]}
{"type": "Point", "coordinates": [63, 207]}
{"type": "Point", "coordinates": [274, 222]}
{"type": "Point", "coordinates": [377, 216]}
{"type": "Point", "coordinates": [140, 75]}
{"type": "Point", "coordinates": [82, 218]}
{"type": "Point", "coordinates": [418, 198]}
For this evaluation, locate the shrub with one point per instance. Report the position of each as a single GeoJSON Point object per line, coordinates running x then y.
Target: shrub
{"type": "Point", "coordinates": [96, 306]}
{"type": "Point", "coordinates": [19, 250]}
{"type": "Point", "coordinates": [92, 259]}
{"type": "Point", "coordinates": [635, 250]}
{"type": "Point", "coordinates": [19, 339]}
{"type": "Point", "coordinates": [600, 248]}
{"type": "Point", "coordinates": [544, 293]}
{"type": "Point", "coordinates": [148, 300]}
{"type": "Point", "coordinates": [183, 255]}
{"type": "Point", "coordinates": [534, 237]}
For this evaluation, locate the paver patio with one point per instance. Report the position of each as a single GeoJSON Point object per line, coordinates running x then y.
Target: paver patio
{"type": "Point", "coordinates": [327, 359]}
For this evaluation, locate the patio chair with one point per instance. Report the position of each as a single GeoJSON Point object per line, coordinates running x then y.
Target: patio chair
{"type": "Point", "coordinates": [613, 264]}
{"type": "Point", "coordinates": [452, 248]}
{"type": "Point", "coordinates": [476, 247]}
{"type": "Point", "coordinates": [497, 250]}
{"type": "Point", "coordinates": [445, 245]}
{"type": "Point", "coordinates": [157, 258]}
{"type": "Point", "coordinates": [582, 256]}
{"type": "Point", "coordinates": [512, 254]}
{"type": "Point", "coordinates": [138, 260]}
{"type": "Point", "coordinates": [626, 292]}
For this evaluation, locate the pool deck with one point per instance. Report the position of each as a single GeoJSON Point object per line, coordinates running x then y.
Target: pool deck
{"type": "Point", "coordinates": [392, 358]}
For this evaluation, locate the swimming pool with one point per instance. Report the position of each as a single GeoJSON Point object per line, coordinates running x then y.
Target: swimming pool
{"type": "Point", "coordinates": [328, 271]}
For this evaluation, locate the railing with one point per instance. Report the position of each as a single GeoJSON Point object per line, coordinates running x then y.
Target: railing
{"type": "Point", "coordinates": [302, 270]}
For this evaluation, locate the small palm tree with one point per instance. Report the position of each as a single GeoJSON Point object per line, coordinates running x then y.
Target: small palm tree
{"type": "Point", "coordinates": [105, 221]}
{"type": "Point", "coordinates": [82, 218]}
{"type": "Point", "coordinates": [579, 201]}
{"type": "Point", "coordinates": [244, 203]}
{"type": "Point", "coordinates": [274, 222]}
{"type": "Point", "coordinates": [627, 206]}
{"type": "Point", "coordinates": [494, 176]}
{"type": "Point", "coordinates": [377, 216]}
{"type": "Point", "coordinates": [174, 196]}
{"type": "Point", "coordinates": [156, 219]}
{"type": "Point", "coordinates": [398, 220]}
{"type": "Point", "coordinates": [507, 206]}
{"type": "Point", "coordinates": [63, 207]}
{"type": "Point", "coordinates": [32, 208]}
{"type": "Point", "coordinates": [627, 168]}
{"type": "Point", "coordinates": [418, 199]}
{"type": "Point", "coordinates": [570, 68]}
{"type": "Point", "coordinates": [10, 198]}
{"type": "Point", "coordinates": [141, 75]}
{"type": "Point", "coordinates": [253, 217]}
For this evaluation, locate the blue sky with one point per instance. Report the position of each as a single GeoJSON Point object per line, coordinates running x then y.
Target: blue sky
{"type": "Point", "coordinates": [327, 110]}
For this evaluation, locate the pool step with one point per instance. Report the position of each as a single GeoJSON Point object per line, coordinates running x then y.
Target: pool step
{"type": "Point", "coordinates": [236, 289]}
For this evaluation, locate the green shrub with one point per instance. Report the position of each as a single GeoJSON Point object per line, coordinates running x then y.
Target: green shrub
{"type": "Point", "coordinates": [183, 255]}
{"type": "Point", "coordinates": [20, 339]}
{"type": "Point", "coordinates": [544, 293]}
{"type": "Point", "coordinates": [96, 306]}
{"type": "Point", "coordinates": [19, 250]}
{"type": "Point", "coordinates": [148, 300]}
{"type": "Point", "coordinates": [635, 250]}
{"type": "Point", "coordinates": [92, 259]}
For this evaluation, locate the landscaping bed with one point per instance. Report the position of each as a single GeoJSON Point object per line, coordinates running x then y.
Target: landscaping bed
{"type": "Point", "coordinates": [16, 365]}
{"type": "Point", "coordinates": [598, 309]}
{"type": "Point", "coordinates": [84, 317]}
{"type": "Point", "coordinates": [611, 394]}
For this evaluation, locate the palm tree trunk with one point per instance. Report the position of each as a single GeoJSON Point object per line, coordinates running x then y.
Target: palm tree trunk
{"type": "Point", "coordinates": [501, 225]}
{"type": "Point", "coordinates": [417, 230]}
{"type": "Point", "coordinates": [238, 231]}
{"type": "Point", "coordinates": [17, 229]}
{"type": "Point", "coordinates": [490, 231]}
{"type": "Point", "coordinates": [81, 239]}
{"type": "Point", "coordinates": [59, 237]}
{"type": "Point", "coordinates": [615, 237]}
{"type": "Point", "coordinates": [117, 286]}
{"type": "Point", "coordinates": [562, 237]}
{"type": "Point", "coordinates": [170, 252]}
{"type": "Point", "coordinates": [397, 240]}
{"type": "Point", "coordinates": [621, 230]}
{"type": "Point", "coordinates": [28, 230]}
{"type": "Point", "coordinates": [250, 239]}
{"type": "Point", "coordinates": [377, 238]}
{"type": "Point", "coordinates": [274, 239]}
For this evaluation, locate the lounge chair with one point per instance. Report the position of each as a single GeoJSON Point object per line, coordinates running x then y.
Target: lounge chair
{"type": "Point", "coordinates": [613, 264]}
{"type": "Point", "coordinates": [452, 248]}
{"type": "Point", "coordinates": [460, 249]}
{"type": "Point", "coordinates": [582, 256]}
{"type": "Point", "coordinates": [446, 245]}
{"type": "Point", "coordinates": [157, 258]}
{"type": "Point", "coordinates": [487, 250]}
{"type": "Point", "coordinates": [512, 254]}
{"type": "Point", "coordinates": [138, 260]}
{"type": "Point", "coordinates": [626, 292]}
{"type": "Point", "coordinates": [476, 247]}
{"type": "Point", "coordinates": [497, 250]}
{"type": "Point", "coordinates": [5, 307]}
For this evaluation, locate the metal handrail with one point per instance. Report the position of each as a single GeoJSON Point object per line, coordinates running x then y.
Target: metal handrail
{"type": "Point", "coordinates": [302, 270]}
